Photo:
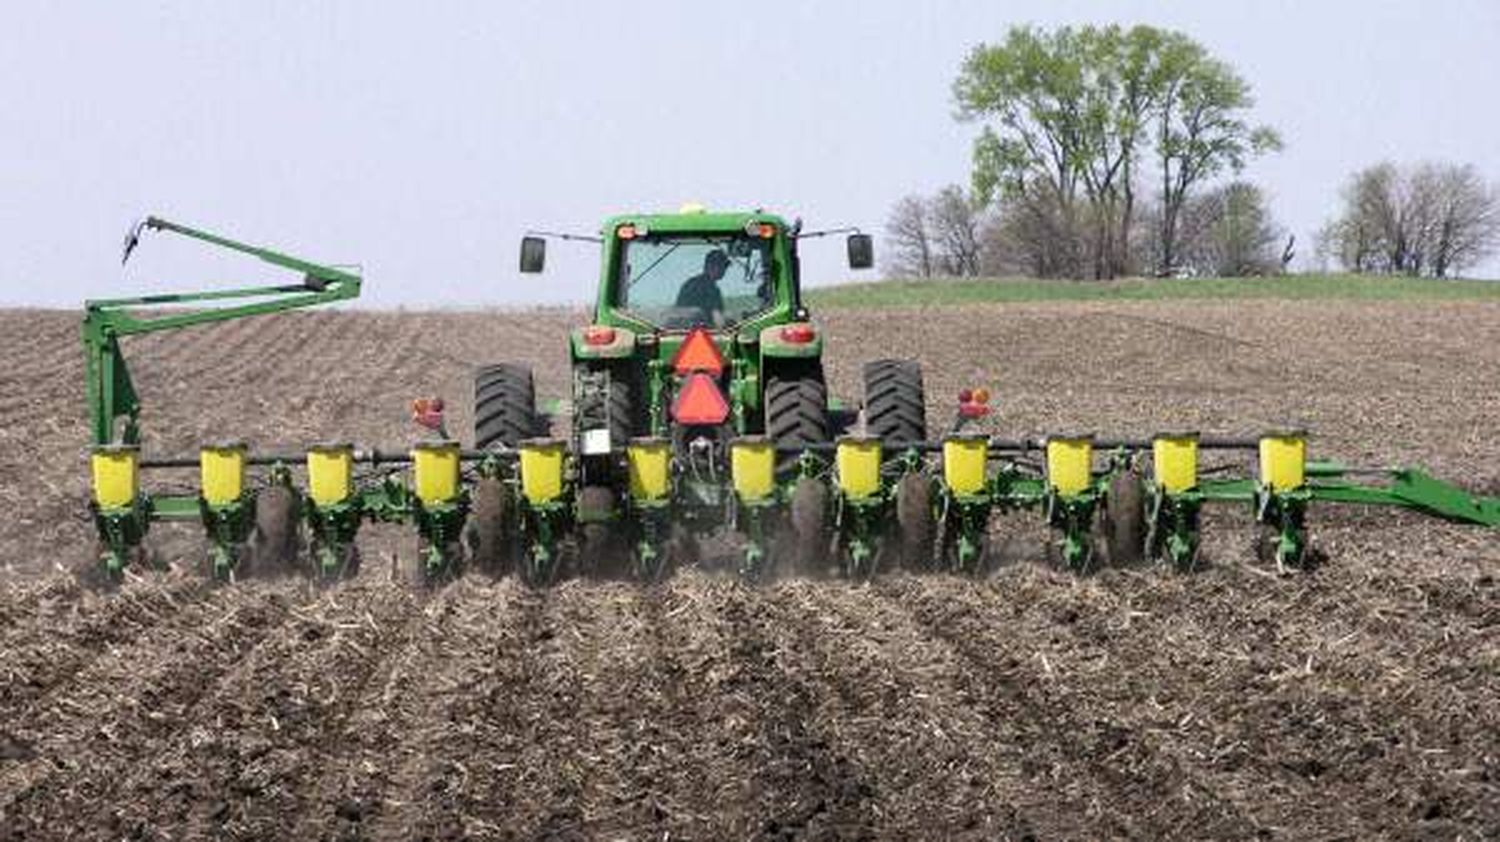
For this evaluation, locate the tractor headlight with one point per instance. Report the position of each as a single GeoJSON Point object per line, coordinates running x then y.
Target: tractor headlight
{"type": "Point", "coordinates": [858, 461]}
{"type": "Point", "coordinates": [752, 466]}
{"type": "Point", "coordinates": [1174, 461]}
{"type": "Point", "coordinates": [650, 463]}
{"type": "Point", "coordinates": [1070, 462]}
{"type": "Point", "coordinates": [116, 470]}
{"type": "Point", "coordinates": [434, 467]}
{"type": "Point", "coordinates": [1283, 460]}
{"type": "Point", "coordinates": [221, 469]}
{"type": "Point", "coordinates": [542, 470]}
{"type": "Point", "coordinates": [964, 460]}
{"type": "Point", "coordinates": [330, 473]}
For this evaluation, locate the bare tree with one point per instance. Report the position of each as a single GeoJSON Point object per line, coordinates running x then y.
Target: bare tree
{"type": "Point", "coordinates": [1032, 234]}
{"type": "Point", "coordinates": [955, 224]}
{"type": "Point", "coordinates": [1467, 224]}
{"type": "Point", "coordinates": [1432, 219]}
{"type": "Point", "coordinates": [909, 237]}
{"type": "Point", "coordinates": [1229, 232]}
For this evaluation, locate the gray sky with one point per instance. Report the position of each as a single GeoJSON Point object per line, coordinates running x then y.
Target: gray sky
{"type": "Point", "coordinates": [421, 139]}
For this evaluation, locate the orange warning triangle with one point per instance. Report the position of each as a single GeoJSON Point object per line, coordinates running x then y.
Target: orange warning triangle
{"type": "Point", "coordinates": [699, 401]}
{"type": "Point", "coordinates": [698, 353]}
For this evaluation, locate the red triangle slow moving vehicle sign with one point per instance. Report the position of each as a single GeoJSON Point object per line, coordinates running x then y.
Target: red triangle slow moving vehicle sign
{"type": "Point", "coordinates": [699, 401]}
{"type": "Point", "coordinates": [698, 353]}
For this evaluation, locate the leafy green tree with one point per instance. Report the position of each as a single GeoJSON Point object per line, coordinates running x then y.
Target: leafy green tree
{"type": "Point", "coordinates": [1067, 113]}
{"type": "Point", "coordinates": [1200, 132]}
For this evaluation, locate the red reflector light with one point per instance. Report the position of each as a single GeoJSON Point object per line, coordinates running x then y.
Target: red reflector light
{"type": "Point", "coordinates": [798, 334]}
{"type": "Point", "coordinates": [699, 401]}
{"type": "Point", "coordinates": [625, 232]}
{"type": "Point", "coordinates": [973, 410]}
{"type": "Point", "coordinates": [698, 353]}
{"type": "Point", "coordinates": [598, 335]}
{"type": "Point", "coordinates": [767, 231]}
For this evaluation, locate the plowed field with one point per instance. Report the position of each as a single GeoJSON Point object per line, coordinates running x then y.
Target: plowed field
{"type": "Point", "coordinates": [1359, 700]}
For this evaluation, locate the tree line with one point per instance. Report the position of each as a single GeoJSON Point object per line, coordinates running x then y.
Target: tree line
{"type": "Point", "coordinates": [1106, 151]}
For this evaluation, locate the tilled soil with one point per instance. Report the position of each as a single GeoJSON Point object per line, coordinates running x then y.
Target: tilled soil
{"type": "Point", "coordinates": [1358, 700]}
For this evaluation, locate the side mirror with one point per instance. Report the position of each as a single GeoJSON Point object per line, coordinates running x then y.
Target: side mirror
{"type": "Point", "coordinates": [533, 254]}
{"type": "Point", "coordinates": [861, 251]}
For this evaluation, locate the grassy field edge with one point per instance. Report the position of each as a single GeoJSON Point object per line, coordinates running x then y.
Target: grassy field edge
{"type": "Point", "coordinates": [896, 293]}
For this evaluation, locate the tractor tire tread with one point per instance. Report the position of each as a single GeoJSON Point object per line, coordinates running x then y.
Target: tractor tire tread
{"type": "Point", "coordinates": [895, 404]}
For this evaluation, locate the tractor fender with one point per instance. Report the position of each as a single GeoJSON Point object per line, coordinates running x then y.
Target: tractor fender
{"type": "Point", "coordinates": [774, 345]}
{"type": "Point", "coordinates": [621, 346]}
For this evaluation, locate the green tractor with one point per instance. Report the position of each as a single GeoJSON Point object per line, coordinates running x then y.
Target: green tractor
{"type": "Point", "coordinates": [700, 359]}
{"type": "Point", "coordinates": [698, 403]}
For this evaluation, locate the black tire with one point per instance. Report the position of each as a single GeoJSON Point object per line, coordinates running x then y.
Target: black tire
{"type": "Point", "coordinates": [504, 406]}
{"type": "Point", "coordinates": [1124, 519]}
{"type": "Point", "coordinates": [796, 404]}
{"type": "Point", "coordinates": [488, 535]}
{"type": "Point", "coordinates": [915, 523]}
{"type": "Point", "coordinates": [895, 404]}
{"type": "Point", "coordinates": [275, 540]}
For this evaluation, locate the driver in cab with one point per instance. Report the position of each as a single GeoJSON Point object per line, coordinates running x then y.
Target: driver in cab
{"type": "Point", "coordinates": [701, 291]}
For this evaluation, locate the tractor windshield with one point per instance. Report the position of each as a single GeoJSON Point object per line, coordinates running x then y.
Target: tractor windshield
{"type": "Point", "coordinates": [682, 281]}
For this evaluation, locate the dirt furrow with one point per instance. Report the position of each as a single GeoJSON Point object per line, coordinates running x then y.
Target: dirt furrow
{"type": "Point", "coordinates": [1086, 753]}
{"type": "Point", "coordinates": [374, 776]}
{"type": "Point", "coordinates": [675, 766]}
{"type": "Point", "coordinates": [516, 703]}
{"type": "Point", "coordinates": [59, 636]}
{"type": "Point", "coordinates": [77, 746]}
{"type": "Point", "coordinates": [801, 781]}
{"type": "Point", "coordinates": [898, 695]}
{"type": "Point", "coordinates": [244, 759]}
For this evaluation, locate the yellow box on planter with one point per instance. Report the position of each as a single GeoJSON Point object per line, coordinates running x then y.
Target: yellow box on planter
{"type": "Point", "coordinates": [965, 458]}
{"type": "Point", "coordinates": [542, 470]}
{"type": "Point", "coordinates": [752, 467]}
{"type": "Point", "coordinates": [1283, 460]}
{"type": "Point", "coordinates": [1070, 463]}
{"type": "Point", "coordinates": [116, 474]}
{"type": "Point", "coordinates": [330, 473]}
{"type": "Point", "coordinates": [858, 461]}
{"type": "Point", "coordinates": [221, 469]}
{"type": "Point", "coordinates": [434, 467]}
{"type": "Point", "coordinates": [1174, 461]}
{"type": "Point", "coordinates": [650, 463]}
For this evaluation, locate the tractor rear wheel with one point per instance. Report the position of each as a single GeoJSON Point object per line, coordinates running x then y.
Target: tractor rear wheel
{"type": "Point", "coordinates": [796, 405]}
{"type": "Point", "coordinates": [1124, 519]}
{"type": "Point", "coordinates": [504, 406]}
{"type": "Point", "coordinates": [895, 405]}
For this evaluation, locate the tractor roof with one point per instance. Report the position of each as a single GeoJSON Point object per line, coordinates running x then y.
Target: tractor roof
{"type": "Point", "coordinates": [694, 220]}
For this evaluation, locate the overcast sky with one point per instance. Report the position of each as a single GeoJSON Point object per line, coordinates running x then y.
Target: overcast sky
{"type": "Point", "coordinates": [420, 140]}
